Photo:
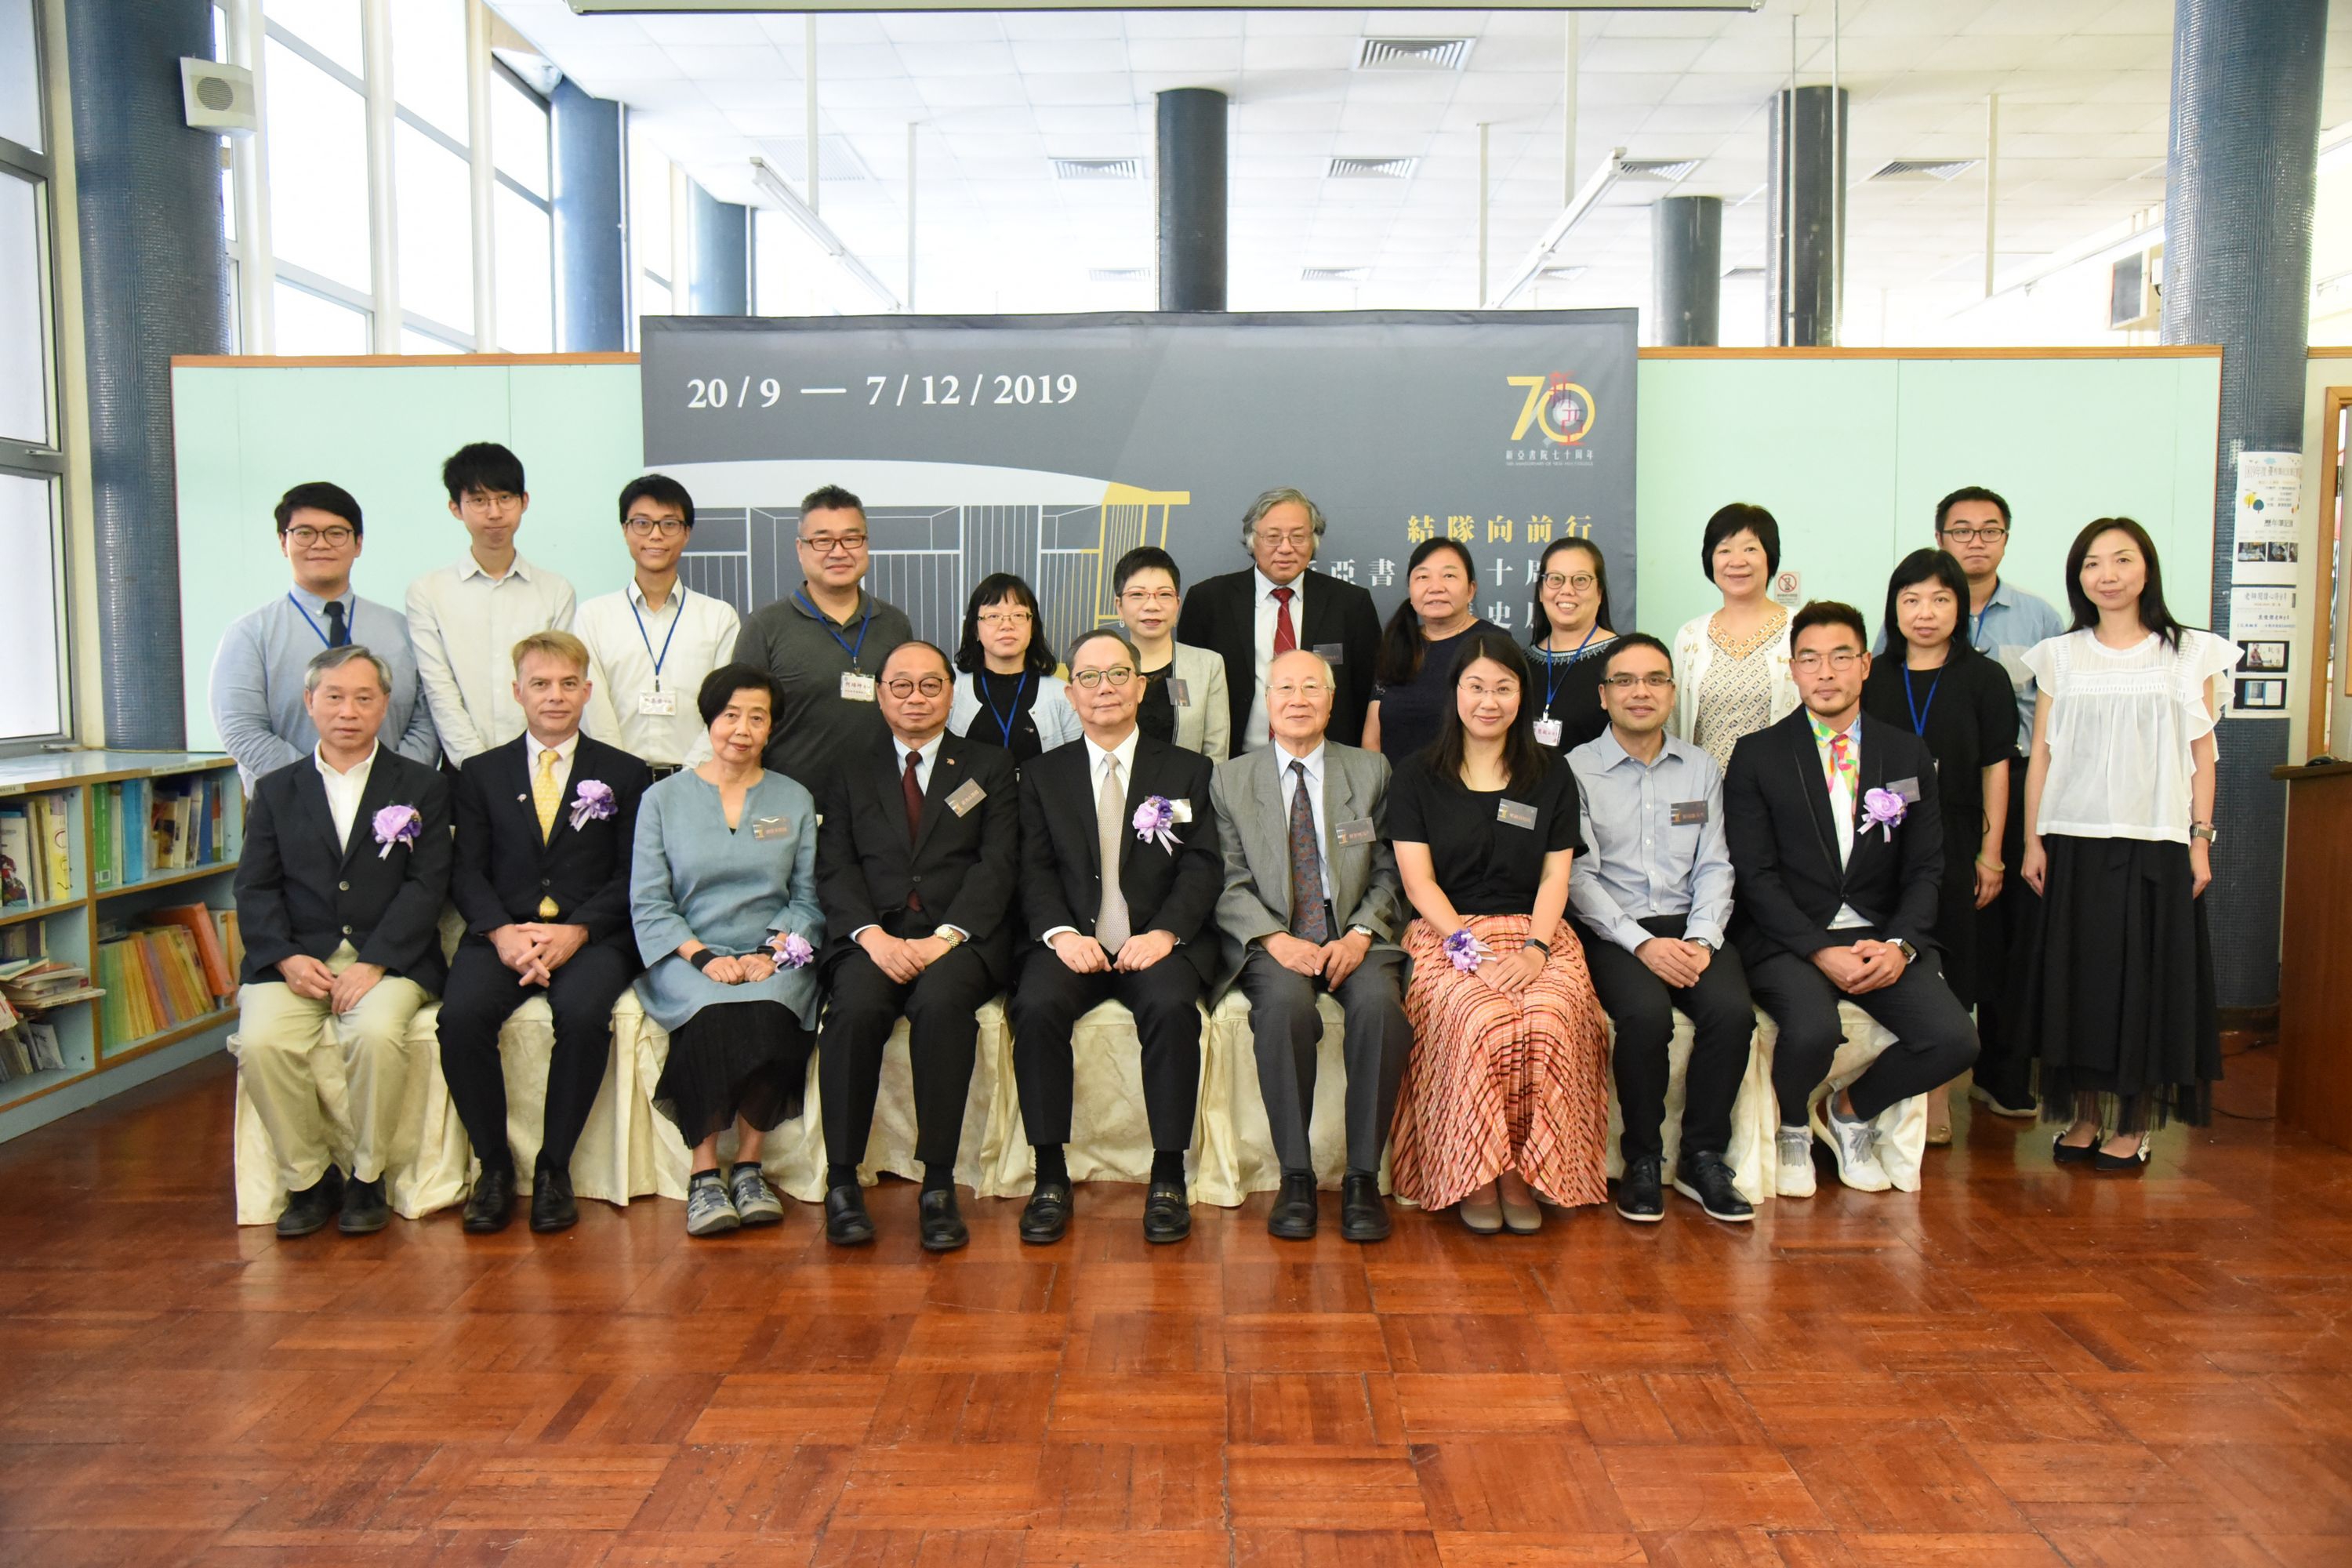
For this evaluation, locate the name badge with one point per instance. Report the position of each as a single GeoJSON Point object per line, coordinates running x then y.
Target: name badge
{"type": "Point", "coordinates": [1518, 813]}
{"type": "Point", "coordinates": [1546, 731]}
{"type": "Point", "coordinates": [856, 688]}
{"type": "Point", "coordinates": [657, 704]}
{"type": "Point", "coordinates": [1686, 813]}
{"type": "Point", "coordinates": [1179, 694]}
{"type": "Point", "coordinates": [1357, 832]}
{"type": "Point", "coordinates": [1333, 654]}
{"type": "Point", "coordinates": [1908, 789]}
{"type": "Point", "coordinates": [1180, 810]}
{"type": "Point", "coordinates": [770, 826]}
{"type": "Point", "coordinates": [967, 795]}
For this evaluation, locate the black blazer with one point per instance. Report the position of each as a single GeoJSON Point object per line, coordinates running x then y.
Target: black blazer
{"type": "Point", "coordinates": [963, 866]}
{"type": "Point", "coordinates": [1061, 867]}
{"type": "Point", "coordinates": [1221, 614]}
{"type": "Point", "coordinates": [1776, 814]}
{"type": "Point", "coordinates": [300, 890]}
{"type": "Point", "coordinates": [503, 867]}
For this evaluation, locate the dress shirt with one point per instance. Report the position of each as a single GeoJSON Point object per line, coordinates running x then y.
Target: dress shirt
{"type": "Point", "coordinates": [1842, 803]}
{"type": "Point", "coordinates": [2012, 622]}
{"type": "Point", "coordinates": [925, 754]}
{"type": "Point", "coordinates": [1641, 864]}
{"type": "Point", "coordinates": [1256, 734]}
{"type": "Point", "coordinates": [257, 673]}
{"type": "Point", "coordinates": [692, 634]}
{"type": "Point", "coordinates": [344, 790]}
{"type": "Point", "coordinates": [1124, 755]}
{"type": "Point", "coordinates": [563, 750]}
{"type": "Point", "coordinates": [465, 623]}
{"type": "Point", "coordinates": [1313, 760]}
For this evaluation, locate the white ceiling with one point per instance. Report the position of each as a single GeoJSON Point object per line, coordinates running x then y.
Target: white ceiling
{"type": "Point", "coordinates": [2083, 86]}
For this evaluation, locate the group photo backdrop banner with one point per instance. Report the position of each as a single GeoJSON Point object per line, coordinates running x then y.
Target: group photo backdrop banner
{"type": "Point", "coordinates": [1848, 451]}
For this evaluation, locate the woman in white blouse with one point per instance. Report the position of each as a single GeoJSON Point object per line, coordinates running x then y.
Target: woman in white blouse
{"type": "Point", "coordinates": [2118, 985]}
{"type": "Point", "coordinates": [1731, 667]}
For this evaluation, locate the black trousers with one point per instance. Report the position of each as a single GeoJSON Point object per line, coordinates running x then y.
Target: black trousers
{"type": "Point", "coordinates": [1046, 1005]}
{"type": "Point", "coordinates": [1285, 1032]}
{"type": "Point", "coordinates": [1641, 1006]}
{"type": "Point", "coordinates": [942, 1038]}
{"type": "Point", "coordinates": [2005, 1066]}
{"type": "Point", "coordinates": [1934, 1041]}
{"type": "Point", "coordinates": [481, 995]}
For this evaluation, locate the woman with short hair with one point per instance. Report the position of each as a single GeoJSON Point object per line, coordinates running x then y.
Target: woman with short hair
{"type": "Point", "coordinates": [1184, 700]}
{"type": "Point", "coordinates": [1731, 667]}
{"type": "Point", "coordinates": [1013, 698]}
{"type": "Point", "coordinates": [1569, 644]}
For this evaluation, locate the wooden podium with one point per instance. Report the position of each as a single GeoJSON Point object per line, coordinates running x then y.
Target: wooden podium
{"type": "Point", "coordinates": [2315, 954]}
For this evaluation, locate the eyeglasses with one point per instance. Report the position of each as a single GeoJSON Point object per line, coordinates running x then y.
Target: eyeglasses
{"type": "Point", "coordinates": [1276, 540]}
{"type": "Point", "coordinates": [1990, 532]}
{"type": "Point", "coordinates": [1656, 681]}
{"type": "Point", "coordinates": [306, 536]}
{"type": "Point", "coordinates": [1290, 688]}
{"type": "Point", "coordinates": [1087, 680]}
{"type": "Point", "coordinates": [1005, 618]}
{"type": "Point", "coordinates": [827, 543]}
{"type": "Point", "coordinates": [1811, 663]}
{"type": "Point", "coordinates": [492, 501]}
{"type": "Point", "coordinates": [904, 687]}
{"type": "Point", "coordinates": [646, 527]}
{"type": "Point", "coordinates": [1582, 582]}
{"type": "Point", "coordinates": [1150, 598]}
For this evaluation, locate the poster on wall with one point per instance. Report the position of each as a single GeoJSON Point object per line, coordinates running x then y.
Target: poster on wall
{"type": "Point", "coordinates": [2263, 544]}
{"type": "Point", "coordinates": [1048, 446]}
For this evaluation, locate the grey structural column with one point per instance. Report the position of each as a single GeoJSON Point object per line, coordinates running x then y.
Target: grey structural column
{"type": "Point", "coordinates": [1686, 258]}
{"type": "Point", "coordinates": [1804, 273]}
{"type": "Point", "coordinates": [721, 285]}
{"type": "Point", "coordinates": [1191, 199]}
{"type": "Point", "coordinates": [592, 270]}
{"type": "Point", "coordinates": [155, 280]}
{"type": "Point", "coordinates": [2237, 271]}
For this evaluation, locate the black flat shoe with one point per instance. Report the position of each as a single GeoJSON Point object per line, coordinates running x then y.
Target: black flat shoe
{"type": "Point", "coordinates": [2064, 1154]}
{"type": "Point", "coordinates": [1292, 1216]}
{"type": "Point", "coordinates": [847, 1222]}
{"type": "Point", "coordinates": [310, 1209]}
{"type": "Point", "coordinates": [1705, 1178]}
{"type": "Point", "coordinates": [943, 1227]}
{"type": "Point", "coordinates": [1167, 1214]}
{"type": "Point", "coordinates": [364, 1210]}
{"type": "Point", "coordinates": [1046, 1218]}
{"type": "Point", "coordinates": [2113, 1164]}
{"type": "Point", "coordinates": [1363, 1214]}
{"type": "Point", "coordinates": [491, 1205]}
{"type": "Point", "coordinates": [552, 1204]}
{"type": "Point", "coordinates": [1640, 1191]}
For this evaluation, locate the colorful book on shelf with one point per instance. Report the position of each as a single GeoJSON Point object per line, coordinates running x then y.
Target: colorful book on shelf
{"type": "Point", "coordinates": [101, 840]}
{"type": "Point", "coordinates": [232, 942]}
{"type": "Point", "coordinates": [15, 856]}
{"type": "Point", "coordinates": [212, 956]}
{"type": "Point", "coordinates": [26, 940]}
{"type": "Point", "coordinates": [60, 878]}
{"type": "Point", "coordinates": [134, 864]}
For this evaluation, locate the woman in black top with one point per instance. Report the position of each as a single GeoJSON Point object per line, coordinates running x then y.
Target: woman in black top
{"type": "Point", "coordinates": [1011, 697]}
{"type": "Point", "coordinates": [1413, 689]}
{"type": "Point", "coordinates": [1569, 644]}
{"type": "Point", "coordinates": [1506, 1088]}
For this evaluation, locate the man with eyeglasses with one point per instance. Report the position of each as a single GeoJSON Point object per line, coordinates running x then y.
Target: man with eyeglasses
{"type": "Point", "coordinates": [1120, 876]}
{"type": "Point", "coordinates": [824, 643]}
{"type": "Point", "coordinates": [1838, 851]}
{"type": "Point", "coordinates": [914, 868]}
{"type": "Point", "coordinates": [258, 701]}
{"type": "Point", "coordinates": [1652, 902]}
{"type": "Point", "coordinates": [650, 645]}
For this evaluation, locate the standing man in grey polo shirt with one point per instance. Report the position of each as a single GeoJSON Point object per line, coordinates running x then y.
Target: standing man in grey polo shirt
{"type": "Point", "coordinates": [825, 644]}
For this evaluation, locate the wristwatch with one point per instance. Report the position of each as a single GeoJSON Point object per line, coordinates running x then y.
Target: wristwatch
{"type": "Point", "coordinates": [2205, 831]}
{"type": "Point", "coordinates": [1701, 941]}
{"type": "Point", "coordinates": [1910, 954]}
{"type": "Point", "coordinates": [948, 934]}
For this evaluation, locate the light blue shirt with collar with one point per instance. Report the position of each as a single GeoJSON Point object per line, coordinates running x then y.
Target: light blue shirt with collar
{"type": "Point", "coordinates": [1642, 864]}
{"type": "Point", "coordinates": [1313, 764]}
{"type": "Point", "coordinates": [259, 669]}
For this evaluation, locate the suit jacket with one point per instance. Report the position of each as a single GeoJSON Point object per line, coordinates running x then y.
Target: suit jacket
{"type": "Point", "coordinates": [302, 891]}
{"type": "Point", "coordinates": [1221, 615]}
{"type": "Point", "coordinates": [503, 867]}
{"type": "Point", "coordinates": [1777, 816]}
{"type": "Point", "coordinates": [963, 865]}
{"type": "Point", "coordinates": [1061, 864]}
{"type": "Point", "coordinates": [1253, 831]}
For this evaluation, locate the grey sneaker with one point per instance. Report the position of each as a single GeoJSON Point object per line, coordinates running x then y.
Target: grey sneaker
{"type": "Point", "coordinates": [708, 1210]}
{"type": "Point", "coordinates": [1796, 1150]}
{"type": "Point", "coordinates": [1855, 1146]}
{"type": "Point", "coordinates": [755, 1201]}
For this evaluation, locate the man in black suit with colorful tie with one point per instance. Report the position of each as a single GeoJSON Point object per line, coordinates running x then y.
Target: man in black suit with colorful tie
{"type": "Point", "coordinates": [545, 825]}
{"type": "Point", "coordinates": [915, 866]}
{"type": "Point", "coordinates": [1140, 934]}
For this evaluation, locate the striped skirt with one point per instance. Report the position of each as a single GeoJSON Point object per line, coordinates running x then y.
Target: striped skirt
{"type": "Point", "coordinates": [1501, 1082]}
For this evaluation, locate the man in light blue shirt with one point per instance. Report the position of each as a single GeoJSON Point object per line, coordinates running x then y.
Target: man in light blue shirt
{"type": "Point", "coordinates": [257, 672]}
{"type": "Point", "coordinates": [1650, 901]}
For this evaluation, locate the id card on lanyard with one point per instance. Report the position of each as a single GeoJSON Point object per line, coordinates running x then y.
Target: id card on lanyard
{"type": "Point", "coordinates": [657, 703]}
{"type": "Point", "coordinates": [857, 686]}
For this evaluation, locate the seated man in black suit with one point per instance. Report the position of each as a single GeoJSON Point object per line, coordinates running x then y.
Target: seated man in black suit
{"type": "Point", "coordinates": [545, 824]}
{"type": "Point", "coordinates": [339, 897]}
{"type": "Point", "coordinates": [1140, 935]}
{"type": "Point", "coordinates": [915, 865]}
{"type": "Point", "coordinates": [1836, 851]}
{"type": "Point", "coordinates": [1249, 617]}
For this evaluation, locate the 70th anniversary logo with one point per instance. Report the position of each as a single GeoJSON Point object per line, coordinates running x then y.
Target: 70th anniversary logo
{"type": "Point", "coordinates": [1561, 410]}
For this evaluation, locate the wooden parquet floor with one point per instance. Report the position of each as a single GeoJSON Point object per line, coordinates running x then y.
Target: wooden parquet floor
{"type": "Point", "coordinates": [2017, 1366]}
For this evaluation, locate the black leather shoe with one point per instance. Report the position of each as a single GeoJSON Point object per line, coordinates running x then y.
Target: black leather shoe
{"type": "Point", "coordinates": [2064, 1154]}
{"type": "Point", "coordinates": [1705, 1178]}
{"type": "Point", "coordinates": [1639, 1195]}
{"type": "Point", "coordinates": [1293, 1214]}
{"type": "Point", "coordinates": [1167, 1214]}
{"type": "Point", "coordinates": [847, 1222]}
{"type": "Point", "coordinates": [2135, 1163]}
{"type": "Point", "coordinates": [552, 1207]}
{"type": "Point", "coordinates": [942, 1227]}
{"type": "Point", "coordinates": [490, 1204]}
{"type": "Point", "coordinates": [364, 1210]}
{"type": "Point", "coordinates": [1047, 1217]}
{"type": "Point", "coordinates": [310, 1209]}
{"type": "Point", "coordinates": [1363, 1214]}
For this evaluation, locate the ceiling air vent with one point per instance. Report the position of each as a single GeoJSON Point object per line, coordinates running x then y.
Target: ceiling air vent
{"type": "Point", "coordinates": [1744, 274]}
{"type": "Point", "coordinates": [1098, 168]}
{"type": "Point", "coordinates": [1373, 168]}
{"type": "Point", "coordinates": [1334, 273]}
{"type": "Point", "coordinates": [1119, 274]}
{"type": "Point", "coordinates": [1412, 54]}
{"type": "Point", "coordinates": [1667, 170]}
{"type": "Point", "coordinates": [1923, 169]}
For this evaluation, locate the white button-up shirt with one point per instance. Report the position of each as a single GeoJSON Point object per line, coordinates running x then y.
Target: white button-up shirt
{"type": "Point", "coordinates": [690, 636]}
{"type": "Point", "coordinates": [563, 751]}
{"type": "Point", "coordinates": [464, 624]}
{"type": "Point", "coordinates": [1257, 732]}
{"type": "Point", "coordinates": [344, 790]}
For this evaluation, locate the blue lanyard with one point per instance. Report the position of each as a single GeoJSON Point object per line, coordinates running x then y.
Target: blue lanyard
{"type": "Point", "coordinates": [677, 614]}
{"type": "Point", "coordinates": [313, 621]}
{"type": "Point", "coordinates": [800, 597]}
{"type": "Point", "coordinates": [1976, 622]}
{"type": "Point", "coordinates": [1005, 722]}
{"type": "Point", "coordinates": [1552, 681]}
{"type": "Point", "coordinates": [1919, 714]}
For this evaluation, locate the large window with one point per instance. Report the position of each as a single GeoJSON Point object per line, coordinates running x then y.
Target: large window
{"type": "Point", "coordinates": [525, 250]}
{"type": "Point", "coordinates": [32, 610]}
{"type": "Point", "coordinates": [651, 249]}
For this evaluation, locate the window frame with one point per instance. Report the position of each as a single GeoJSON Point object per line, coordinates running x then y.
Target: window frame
{"type": "Point", "coordinates": [506, 182]}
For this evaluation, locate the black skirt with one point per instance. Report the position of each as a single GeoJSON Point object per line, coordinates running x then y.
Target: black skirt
{"type": "Point", "coordinates": [2117, 994]}
{"type": "Point", "coordinates": [734, 1059]}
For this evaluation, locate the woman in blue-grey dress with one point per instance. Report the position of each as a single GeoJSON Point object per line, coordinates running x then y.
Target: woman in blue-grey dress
{"type": "Point", "coordinates": [723, 894]}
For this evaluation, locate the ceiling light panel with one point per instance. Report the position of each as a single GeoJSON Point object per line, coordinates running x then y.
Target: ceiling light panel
{"type": "Point", "coordinates": [1371, 168]}
{"type": "Point", "coordinates": [1098, 168]}
{"type": "Point", "coordinates": [1412, 54]}
{"type": "Point", "coordinates": [1923, 169]}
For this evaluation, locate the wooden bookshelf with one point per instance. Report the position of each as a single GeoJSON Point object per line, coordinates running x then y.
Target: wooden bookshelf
{"type": "Point", "coordinates": [97, 1065]}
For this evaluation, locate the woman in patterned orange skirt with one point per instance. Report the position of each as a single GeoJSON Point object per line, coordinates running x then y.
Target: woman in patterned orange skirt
{"type": "Point", "coordinates": [1507, 1090]}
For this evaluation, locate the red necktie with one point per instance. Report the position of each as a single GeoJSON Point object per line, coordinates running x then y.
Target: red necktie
{"type": "Point", "coordinates": [1286, 636]}
{"type": "Point", "coordinates": [913, 790]}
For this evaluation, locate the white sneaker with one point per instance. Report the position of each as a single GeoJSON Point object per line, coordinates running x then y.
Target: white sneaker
{"type": "Point", "coordinates": [1796, 1173]}
{"type": "Point", "coordinates": [1855, 1146]}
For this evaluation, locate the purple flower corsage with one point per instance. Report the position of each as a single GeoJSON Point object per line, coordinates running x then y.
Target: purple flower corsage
{"type": "Point", "coordinates": [1882, 809]}
{"type": "Point", "coordinates": [1153, 821]}
{"type": "Point", "coordinates": [591, 801]}
{"type": "Point", "coordinates": [398, 824]}
{"type": "Point", "coordinates": [1466, 951]}
{"type": "Point", "coordinates": [792, 950]}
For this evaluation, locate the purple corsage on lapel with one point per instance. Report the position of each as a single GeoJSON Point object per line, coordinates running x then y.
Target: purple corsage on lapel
{"type": "Point", "coordinates": [1154, 820]}
{"type": "Point", "coordinates": [1882, 809]}
{"type": "Point", "coordinates": [398, 824]}
{"type": "Point", "coordinates": [591, 801]}
{"type": "Point", "coordinates": [792, 950]}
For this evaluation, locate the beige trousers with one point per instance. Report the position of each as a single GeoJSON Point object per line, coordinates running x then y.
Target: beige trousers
{"type": "Point", "coordinates": [345, 1089]}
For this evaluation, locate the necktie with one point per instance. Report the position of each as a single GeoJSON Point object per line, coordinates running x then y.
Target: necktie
{"type": "Point", "coordinates": [1285, 634]}
{"type": "Point", "coordinates": [1110, 814]}
{"type": "Point", "coordinates": [547, 797]}
{"type": "Point", "coordinates": [338, 634]}
{"type": "Point", "coordinates": [913, 791]}
{"type": "Point", "coordinates": [1306, 913]}
{"type": "Point", "coordinates": [1842, 761]}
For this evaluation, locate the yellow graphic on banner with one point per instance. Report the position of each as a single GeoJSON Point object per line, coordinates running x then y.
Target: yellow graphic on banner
{"type": "Point", "coordinates": [1562, 408]}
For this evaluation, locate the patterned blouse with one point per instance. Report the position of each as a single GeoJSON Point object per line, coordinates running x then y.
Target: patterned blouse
{"type": "Point", "coordinates": [1735, 695]}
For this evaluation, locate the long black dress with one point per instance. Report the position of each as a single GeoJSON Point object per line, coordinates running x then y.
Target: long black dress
{"type": "Point", "coordinates": [1967, 713]}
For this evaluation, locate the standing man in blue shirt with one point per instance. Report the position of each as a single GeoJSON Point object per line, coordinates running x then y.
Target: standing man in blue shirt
{"type": "Point", "coordinates": [1651, 911]}
{"type": "Point", "coordinates": [264, 656]}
